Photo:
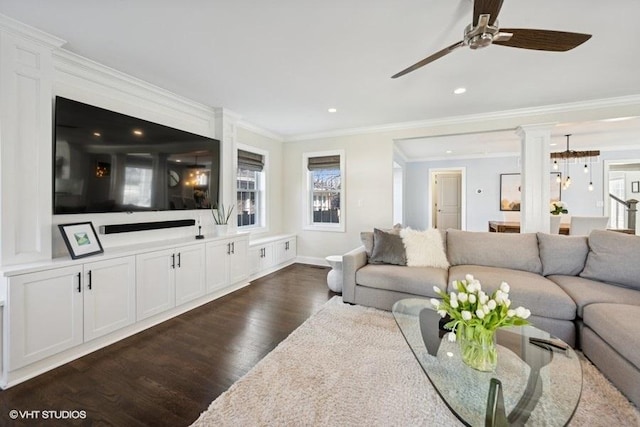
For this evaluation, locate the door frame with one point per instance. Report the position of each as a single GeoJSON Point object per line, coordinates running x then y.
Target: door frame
{"type": "Point", "coordinates": [463, 193]}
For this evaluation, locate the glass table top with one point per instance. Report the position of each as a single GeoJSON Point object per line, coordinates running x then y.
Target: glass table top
{"type": "Point", "coordinates": [539, 385]}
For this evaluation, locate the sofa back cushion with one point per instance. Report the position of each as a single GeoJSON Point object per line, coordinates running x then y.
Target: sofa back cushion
{"type": "Point", "coordinates": [505, 250]}
{"type": "Point", "coordinates": [564, 255]}
{"type": "Point", "coordinates": [613, 257]}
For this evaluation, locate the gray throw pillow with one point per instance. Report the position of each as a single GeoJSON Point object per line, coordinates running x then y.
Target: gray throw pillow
{"type": "Point", "coordinates": [562, 254]}
{"type": "Point", "coordinates": [613, 257]}
{"type": "Point", "coordinates": [387, 249]}
{"type": "Point", "coordinates": [506, 250]}
{"type": "Point", "coordinates": [366, 237]}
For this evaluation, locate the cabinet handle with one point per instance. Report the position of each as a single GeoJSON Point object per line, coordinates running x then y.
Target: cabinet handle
{"type": "Point", "coordinates": [228, 248]}
{"type": "Point", "coordinates": [173, 261]}
{"type": "Point", "coordinates": [286, 245]}
{"type": "Point", "coordinates": [79, 282]}
{"type": "Point", "coordinates": [262, 253]}
{"type": "Point", "coordinates": [178, 259]}
{"type": "Point", "coordinates": [233, 247]}
{"type": "Point", "coordinates": [89, 274]}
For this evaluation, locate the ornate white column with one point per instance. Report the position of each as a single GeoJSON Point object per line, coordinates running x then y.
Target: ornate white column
{"type": "Point", "coordinates": [225, 131]}
{"type": "Point", "coordinates": [26, 91]}
{"type": "Point", "coordinates": [535, 175]}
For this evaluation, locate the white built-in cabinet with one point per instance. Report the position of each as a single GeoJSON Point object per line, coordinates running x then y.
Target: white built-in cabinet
{"type": "Point", "coordinates": [169, 277]}
{"type": "Point", "coordinates": [72, 307]}
{"type": "Point", "coordinates": [226, 262]}
{"type": "Point", "coordinates": [271, 253]}
{"type": "Point", "coordinates": [54, 310]}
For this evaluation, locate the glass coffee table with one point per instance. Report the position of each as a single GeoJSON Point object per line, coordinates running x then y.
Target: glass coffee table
{"type": "Point", "coordinates": [533, 384]}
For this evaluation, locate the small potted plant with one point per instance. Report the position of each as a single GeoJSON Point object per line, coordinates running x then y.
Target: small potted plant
{"type": "Point", "coordinates": [221, 217]}
{"type": "Point", "coordinates": [558, 208]}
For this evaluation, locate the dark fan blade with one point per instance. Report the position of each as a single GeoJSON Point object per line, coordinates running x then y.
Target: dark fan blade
{"type": "Point", "coordinates": [555, 41]}
{"type": "Point", "coordinates": [488, 7]}
{"type": "Point", "coordinates": [429, 59]}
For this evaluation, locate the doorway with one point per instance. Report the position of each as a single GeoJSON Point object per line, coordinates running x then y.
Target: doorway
{"type": "Point", "coordinates": [447, 198]}
{"type": "Point", "coordinates": [621, 181]}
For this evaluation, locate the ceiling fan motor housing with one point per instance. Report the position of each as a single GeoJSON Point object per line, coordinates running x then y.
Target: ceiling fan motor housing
{"type": "Point", "coordinates": [482, 34]}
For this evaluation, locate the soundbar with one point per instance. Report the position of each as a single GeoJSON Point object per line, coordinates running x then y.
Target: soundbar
{"type": "Point", "coordinates": [143, 226]}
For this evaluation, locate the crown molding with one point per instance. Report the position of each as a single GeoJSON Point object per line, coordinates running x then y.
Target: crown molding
{"type": "Point", "coordinates": [622, 101]}
{"type": "Point", "coordinates": [260, 131]}
{"type": "Point", "coordinates": [24, 30]}
{"type": "Point", "coordinates": [76, 65]}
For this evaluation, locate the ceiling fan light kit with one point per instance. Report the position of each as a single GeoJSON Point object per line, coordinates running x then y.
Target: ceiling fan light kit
{"type": "Point", "coordinates": [485, 31]}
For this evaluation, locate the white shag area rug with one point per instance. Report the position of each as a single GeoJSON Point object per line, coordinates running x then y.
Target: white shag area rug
{"type": "Point", "coordinates": [350, 366]}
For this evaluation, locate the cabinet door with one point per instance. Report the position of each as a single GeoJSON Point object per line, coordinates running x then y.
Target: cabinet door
{"type": "Point", "coordinates": [285, 250]}
{"type": "Point", "coordinates": [238, 264]}
{"type": "Point", "coordinates": [190, 283]}
{"type": "Point", "coordinates": [45, 314]}
{"type": "Point", "coordinates": [255, 255]}
{"type": "Point", "coordinates": [155, 283]}
{"type": "Point", "coordinates": [217, 261]}
{"type": "Point", "coordinates": [109, 296]}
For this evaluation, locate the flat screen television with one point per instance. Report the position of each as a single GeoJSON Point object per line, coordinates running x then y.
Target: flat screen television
{"type": "Point", "coordinates": [110, 162]}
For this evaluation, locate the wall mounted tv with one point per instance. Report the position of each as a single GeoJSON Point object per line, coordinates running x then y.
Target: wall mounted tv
{"type": "Point", "coordinates": [110, 162]}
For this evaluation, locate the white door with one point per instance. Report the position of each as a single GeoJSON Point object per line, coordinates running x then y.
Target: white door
{"type": "Point", "coordinates": [109, 296]}
{"type": "Point", "coordinates": [448, 204]}
{"type": "Point", "coordinates": [190, 268]}
{"type": "Point", "coordinates": [155, 283]}
{"type": "Point", "coordinates": [45, 314]}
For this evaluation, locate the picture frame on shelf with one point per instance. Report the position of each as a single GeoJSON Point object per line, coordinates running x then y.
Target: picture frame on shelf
{"type": "Point", "coordinates": [510, 190]}
{"type": "Point", "coordinates": [81, 239]}
{"type": "Point", "coordinates": [635, 186]}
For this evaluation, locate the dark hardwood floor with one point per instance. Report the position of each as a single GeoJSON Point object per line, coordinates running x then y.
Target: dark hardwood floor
{"type": "Point", "coordinates": [169, 374]}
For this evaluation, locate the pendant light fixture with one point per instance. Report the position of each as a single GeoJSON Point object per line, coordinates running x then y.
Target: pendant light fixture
{"type": "Point", "coordinates": [573, 156]}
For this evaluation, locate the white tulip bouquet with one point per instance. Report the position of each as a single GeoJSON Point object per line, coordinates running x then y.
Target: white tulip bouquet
{"type": "Point", "coordinates": [475, 316]}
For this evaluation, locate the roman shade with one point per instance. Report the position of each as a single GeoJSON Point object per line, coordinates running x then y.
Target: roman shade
{"type": "Point", "coordinates": [250, 161]}
{"type": "Point", "coordinates": [324, 162]}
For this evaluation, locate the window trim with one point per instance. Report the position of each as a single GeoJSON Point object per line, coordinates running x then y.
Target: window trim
{"type": "Point", "coordinates": [262, 226]}
{"type": "Point", "coordinates": [307, 199]}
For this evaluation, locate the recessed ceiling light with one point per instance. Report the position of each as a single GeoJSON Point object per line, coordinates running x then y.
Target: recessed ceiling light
{"type": "Point", "coordinates": [448, 151]}
{"type": "Point", "coordinates": [332, 110]}
{"type": "Point", "coordinates": [178, 160]}
{"type": "Point", "coordinates": [553, 144]}
{"type": "Point", "coordinates": [460, 90]}
{"type": "Point", "coordinates": [96, 134]}
{"type": "Point", "coordinates": [137, 132]}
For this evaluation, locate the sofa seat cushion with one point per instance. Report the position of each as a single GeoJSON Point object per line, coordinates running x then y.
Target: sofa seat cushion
{"type": "Point", "coordinates": [540, 295]}
{"type": "Point", "coordinates": [586, 291]}
{"type": "Point", "coordinates": [412, 280]}
{"type": "Point", "coordinates": [616, 324]}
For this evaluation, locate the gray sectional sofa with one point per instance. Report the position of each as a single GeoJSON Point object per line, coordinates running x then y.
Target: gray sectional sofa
{"type": "Point", "coordinates": [582, 289]}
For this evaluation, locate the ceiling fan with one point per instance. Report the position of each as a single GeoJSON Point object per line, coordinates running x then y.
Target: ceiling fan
{"type": "Point", "coordinates": [485, 31]}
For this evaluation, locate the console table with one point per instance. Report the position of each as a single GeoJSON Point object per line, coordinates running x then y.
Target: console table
{"type": "Point", "coordinates": [514, 227]}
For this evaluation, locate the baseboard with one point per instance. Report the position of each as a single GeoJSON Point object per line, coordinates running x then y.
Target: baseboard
{"type": "Point", "coordinates": [312, 261]}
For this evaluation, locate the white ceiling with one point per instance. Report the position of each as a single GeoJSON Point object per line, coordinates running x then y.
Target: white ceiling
{"type": "Point", "coordinates": [281, 64]}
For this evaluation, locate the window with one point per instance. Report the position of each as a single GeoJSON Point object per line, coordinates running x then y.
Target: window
{"type": "Point", "coordinates": [250, 185]}
{"type": "Point", "coordinates": [137, 186]}
{"type": "Point", "coordinates": [325, 195]}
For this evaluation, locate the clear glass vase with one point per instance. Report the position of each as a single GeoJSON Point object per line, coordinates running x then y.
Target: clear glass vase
{"type": "Point", "coordinates": [477, 347]}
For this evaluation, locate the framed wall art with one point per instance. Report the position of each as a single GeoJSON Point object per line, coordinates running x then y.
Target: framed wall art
{"type": "Point", "coordinates": [511, 190]}
{"type": "Point", "coordinates": [81, 239]}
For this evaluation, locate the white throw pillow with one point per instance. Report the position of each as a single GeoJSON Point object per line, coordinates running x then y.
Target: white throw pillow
{"type": "Point", "coordinates": [424, 248]}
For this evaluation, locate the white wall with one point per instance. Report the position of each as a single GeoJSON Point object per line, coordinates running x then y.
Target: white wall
{"type": "Point", "coordinates": [368, 187]}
